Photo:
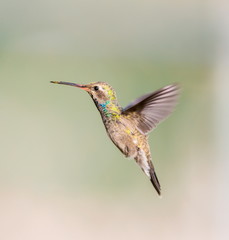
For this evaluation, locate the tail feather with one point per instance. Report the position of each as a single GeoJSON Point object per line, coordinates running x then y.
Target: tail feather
{"type": "Point", "coordinates": [147, 167]}
{"type": "Point", "coordinates": [154, 181]}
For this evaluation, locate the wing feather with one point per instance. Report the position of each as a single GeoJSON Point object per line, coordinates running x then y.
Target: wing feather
{"type": "Point", "coordinates": [150, 109]}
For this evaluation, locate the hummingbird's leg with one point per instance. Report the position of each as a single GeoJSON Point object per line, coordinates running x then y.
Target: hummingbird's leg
{"type": "Point", "coordinates": [130, 150]}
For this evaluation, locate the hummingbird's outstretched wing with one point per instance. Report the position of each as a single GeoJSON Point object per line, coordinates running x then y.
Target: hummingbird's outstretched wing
{"type": "Point", "coordinates": [149, 110]}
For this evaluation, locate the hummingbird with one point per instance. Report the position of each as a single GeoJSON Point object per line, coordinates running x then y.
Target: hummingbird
{"type": "Point", "coordinates": [129, 127]}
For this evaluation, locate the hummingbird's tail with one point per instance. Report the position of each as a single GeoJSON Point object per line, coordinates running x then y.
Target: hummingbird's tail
{"type": "Point", "coordinates": [147, 167]}
{"type": "Point", "coordinates": [154, 181]}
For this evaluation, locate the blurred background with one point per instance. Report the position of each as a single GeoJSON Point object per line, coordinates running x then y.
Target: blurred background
{"type": "Point", "coordinates": [60, 175]}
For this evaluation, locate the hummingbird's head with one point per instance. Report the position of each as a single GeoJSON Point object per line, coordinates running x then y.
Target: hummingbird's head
{"type": "Point", "coordinates": [99, 91]}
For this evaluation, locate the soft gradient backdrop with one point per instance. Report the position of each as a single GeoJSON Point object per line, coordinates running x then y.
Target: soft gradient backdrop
{"type": "Point", "coordinates": [60, 175]}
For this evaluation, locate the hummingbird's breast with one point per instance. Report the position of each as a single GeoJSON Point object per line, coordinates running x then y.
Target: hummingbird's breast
{"type": "Point", "coordinates": [125, 136]}
{"type": "Point", "coordinates": [121, 129]}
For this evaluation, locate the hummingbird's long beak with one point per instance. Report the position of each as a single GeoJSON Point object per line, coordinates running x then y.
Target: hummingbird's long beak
{"type": "Point", "coordinates": [84, 87]}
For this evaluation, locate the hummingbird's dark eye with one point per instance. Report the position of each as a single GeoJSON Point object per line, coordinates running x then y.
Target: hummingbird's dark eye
{"type": "Point", "coordinates": [96, 88]}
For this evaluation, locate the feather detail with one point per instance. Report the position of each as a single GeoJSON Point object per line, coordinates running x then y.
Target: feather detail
{"type": "Point", "coordinates": [147, 167]}
{"type": "Point", "coordinates": [150, 109]}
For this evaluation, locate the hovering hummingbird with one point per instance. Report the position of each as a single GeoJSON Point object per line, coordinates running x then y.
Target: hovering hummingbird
{"type": "Point", "coordinates": [128, 127]}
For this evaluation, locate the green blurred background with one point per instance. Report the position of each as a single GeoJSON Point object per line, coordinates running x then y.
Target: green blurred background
{"type": "Point", "coordinates": [60, 175]}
